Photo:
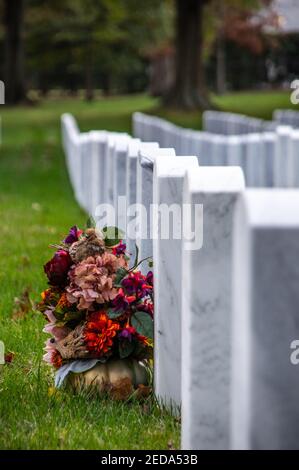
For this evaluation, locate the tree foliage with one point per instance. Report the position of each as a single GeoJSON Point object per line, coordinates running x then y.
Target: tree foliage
{"type": "Point", "coordinates": [90, 43]}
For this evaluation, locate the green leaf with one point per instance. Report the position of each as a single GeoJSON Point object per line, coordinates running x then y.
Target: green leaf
{"type": "Point", "coordinates": [143, 323]}
{"type": "Point", "coordinates": [126, 348]}
{"type": "Point", "coordinates": [112, 236]}
{"type": "Point", "coordinates": [59, 315]}
{"type": "Point", "coordinates": [112, 314]}
{"type": "Point", "coordinates": [91, 223]}
{"type": "Point", "coordinates": [150, 263]}
{"type": "Point", "coordinates": [120, 274]}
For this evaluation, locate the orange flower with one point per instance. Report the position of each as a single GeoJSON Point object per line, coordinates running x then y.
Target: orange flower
{"type": "Point", "coordinates": [63, 302]}
{"type": "Point", "coordinates": [45, 294]}
{"type": "Point", "coordinates": [99, 333]}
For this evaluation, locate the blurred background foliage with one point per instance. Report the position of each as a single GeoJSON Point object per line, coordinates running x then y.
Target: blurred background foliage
{"type": "Point", "coordinates": [171, 48]}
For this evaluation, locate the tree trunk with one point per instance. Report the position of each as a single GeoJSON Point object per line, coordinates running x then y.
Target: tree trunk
{"type": "Point", "coordinates": [189, 89]}
{"type": "Point", "coordinates": [14, 51]}
{"type": "Point", "coordinates": [220, 50]}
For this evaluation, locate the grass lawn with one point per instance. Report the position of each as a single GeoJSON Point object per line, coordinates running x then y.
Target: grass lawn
{"type": "Point", "coordinates": [37, 208]}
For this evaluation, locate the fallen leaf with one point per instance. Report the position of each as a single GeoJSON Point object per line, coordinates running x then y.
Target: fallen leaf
{"type": "Point", "coordinates": [9, 357]}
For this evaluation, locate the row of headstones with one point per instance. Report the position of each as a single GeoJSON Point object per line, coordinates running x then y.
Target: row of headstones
{"type": "Point", "coordinates": [219, 122]}
{"type": "Point", "coordinates": [268, 159]}
{"type": "Point", "coordinates": [225, 314]}
{"type": "Point", "coordinates": [288, 117]}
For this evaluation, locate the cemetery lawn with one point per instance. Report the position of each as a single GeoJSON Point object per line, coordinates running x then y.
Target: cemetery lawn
{"type": "Point", "coordinates": [37, 208]}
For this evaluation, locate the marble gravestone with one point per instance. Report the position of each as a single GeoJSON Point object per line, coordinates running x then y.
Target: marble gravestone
{"type": "Point", "coordinates": [99, 141]}
{"type": "Point", "coordinates": [144, 198]}
{"type": "Point", "coordinates": [119, 170]}
{"type": "Point", "coordinates": [282, 156]}
{"type": "Point", "coordinates": [116, 143]}
{"type": "Point", "coordinates": [269, 141]}
{"type": "Point", "coordinates": [137, 125]}
{"type": "Point", "coordinates": [294, 170]}
{"type": "Point", "coordinates": [167, 191]}
{"type": "Point", "coordinates": [234, 151]}
{"type": "Point", "coordinates": [131, 183]}
{"type": "Point", "coordinates": [218, 153]}
{"type": "Point", "coordinates": [206, 308]}
{"type": "Point", "coordinates": [255, 161]}
{"type": "Point", "coordinates": [71, 146]}
{"type": "Point", "coordinates": [84, 168]}
{"type": "Point", "coordinates": [265, 383]}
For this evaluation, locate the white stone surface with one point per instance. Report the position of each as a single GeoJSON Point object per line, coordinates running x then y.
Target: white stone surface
{"type": "Point", "coordinates": [131, 180]}
{"type": "Point", "coordinates": [206, 307]}
{"type": "Point", "coordinates": [255, 161]}
{"type": "Point", "coordinates": [167, 256]}
{"type": "Point", "coordinates": [116, 142]}
{"type": "Point", "coordinates": [119, 171]}
{"type": "Point", "coordinates": [269, 140]}
{"type": "Point", "coordinates": [293, 176]}
{"type": "Point", "coordinates": [99, 141]}
{"type": "Point", "coordinates": [144, 197]}
{"type": "Point", "coordinates": [282, 164]}
{"type": "Point", "coordinates": [265, 405]}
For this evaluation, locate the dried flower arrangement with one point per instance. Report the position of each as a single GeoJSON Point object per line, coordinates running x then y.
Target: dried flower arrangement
{"type": "Point", "coordinates": [99, 311]}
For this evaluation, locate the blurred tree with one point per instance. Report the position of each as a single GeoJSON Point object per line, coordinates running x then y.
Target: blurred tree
{"type": "Point", "coordinates": [189, 90]}
{"type": "Point", "coordinates": [224, 18]}
{"type": "Point", "coordinates": [101, 41]}
{"type": "Point", "coordinates": [239, 21]}
{"type": "Point", "coordinates": [13, 16]}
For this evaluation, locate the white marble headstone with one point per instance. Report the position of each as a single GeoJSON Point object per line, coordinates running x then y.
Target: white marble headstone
{"type": "Point", "coordinates": [206, 309]}
{"type": "Point", "coordinates": [116, 142]}
{"type": "Point", "coordinates": [282, 162]}
{"type": "Point", "coordinates": [99, 141]}
{"type": "Point", "coordinates": [167, 256]}
{"type": "Point", "coordinates": [131, 181]}
{"type": "Point", "coordinates": [255, 161]}
{"type": "Point", "coordinates": [144, 197]}
{"type": "Point", "coordinates": [265, 384]}
{"type": "Point", "coordinates": [119, 171]}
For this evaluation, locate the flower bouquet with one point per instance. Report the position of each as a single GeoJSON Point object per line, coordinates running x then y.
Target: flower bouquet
{"type": "Point", "coordinates": [99, 313]}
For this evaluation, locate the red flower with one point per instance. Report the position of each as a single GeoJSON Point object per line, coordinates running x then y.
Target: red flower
{"type": "Point", "coordinates": [147, 307]}
{"type": "Point", "coordinates": [57, 268]}
{"type": "Point", "coordinates": [127, 333]}
{"type": "Point", "coordinates": [56, 359]}
{"type": "Point", "coordinates": [122, 301]}
{"type": "Point", "coordinates": [99, 333]}
{"type": "Point", "coordinates": [73, 235]}
{"type": "Point", "coordinates": [119, 249]}
{"type": "Point", "coordinates": [150, 278]}
{"type": "Point", "coordinates": [136, 283]}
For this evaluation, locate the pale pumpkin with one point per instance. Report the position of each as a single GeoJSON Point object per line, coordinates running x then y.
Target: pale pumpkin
{"type": "Point", "coordinates": [113, 373]}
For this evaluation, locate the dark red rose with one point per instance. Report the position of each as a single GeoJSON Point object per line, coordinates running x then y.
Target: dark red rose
{"type": "Point", "coordinates": [58, 267]}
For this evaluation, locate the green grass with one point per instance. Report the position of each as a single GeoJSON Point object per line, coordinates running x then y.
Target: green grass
{"type": "Point", "coordinates": [258, 104]}
{"type": "Point", "coordinates": [37, 208]}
